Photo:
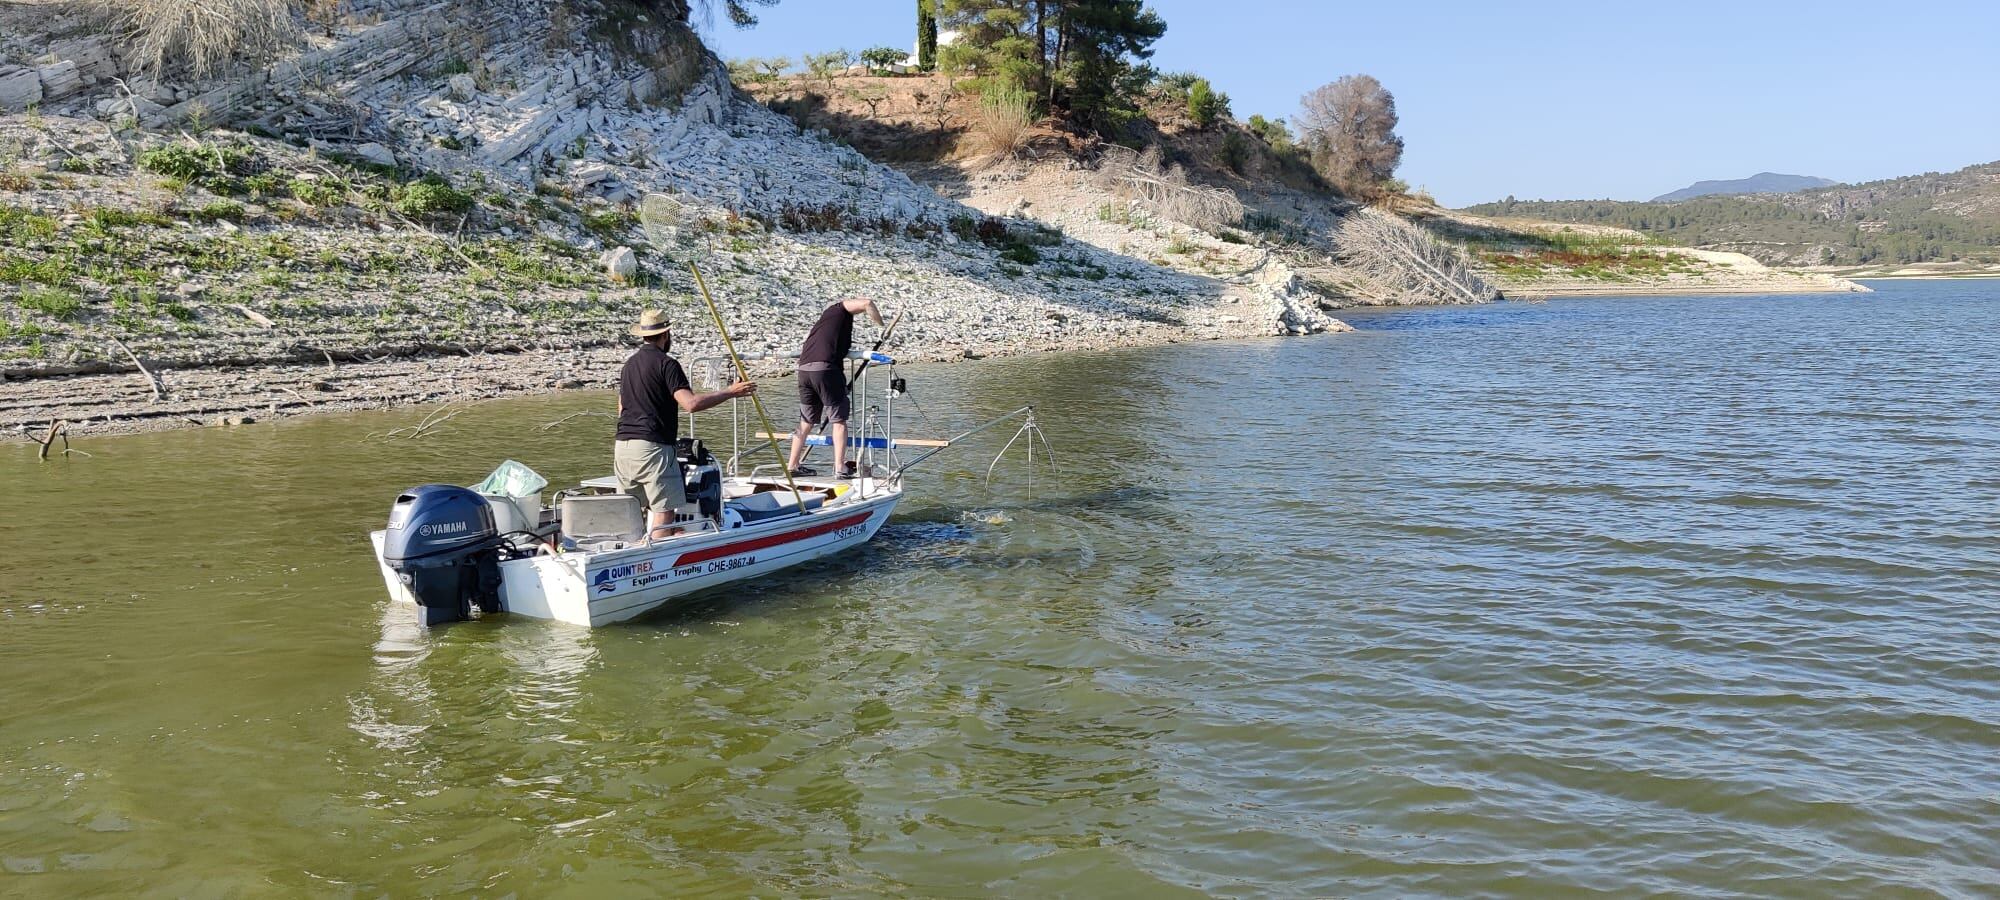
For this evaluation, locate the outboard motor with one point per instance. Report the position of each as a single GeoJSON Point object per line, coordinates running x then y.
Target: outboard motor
{"type": "Point", "coordinates": [443, 544]}
{"type": "Point", "coordinates": [704, 478]}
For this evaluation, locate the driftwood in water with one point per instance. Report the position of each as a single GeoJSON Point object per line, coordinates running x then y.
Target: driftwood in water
{"type": "Point", "coordinates": [430, 424]}
{"type": "Point", "coordinates": [1144, 178]}
{"type": "Point", "coordinates": [56, 429]}
{"type": "Point", "coordinates": [1401, 263]}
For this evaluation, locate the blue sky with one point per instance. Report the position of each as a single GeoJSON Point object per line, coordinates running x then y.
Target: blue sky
{"type": "Point", "coordinates": [1572, 100]}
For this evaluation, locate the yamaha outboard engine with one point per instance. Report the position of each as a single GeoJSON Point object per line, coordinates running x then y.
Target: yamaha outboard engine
{"type": "Point", "coordinates": [442, 543]}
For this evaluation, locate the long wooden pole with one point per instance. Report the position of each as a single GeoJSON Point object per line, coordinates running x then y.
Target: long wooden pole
{"type": "Point", "coordinates": [743, 374]}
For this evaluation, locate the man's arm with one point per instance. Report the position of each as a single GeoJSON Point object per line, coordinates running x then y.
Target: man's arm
{"type": "Point", "coordinates": [858, 305]}
{"type": "Point", "coordinates": [694, 403]}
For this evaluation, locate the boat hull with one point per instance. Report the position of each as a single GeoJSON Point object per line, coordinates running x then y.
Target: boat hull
{"type": "Point", "coordinates": [595, 589]}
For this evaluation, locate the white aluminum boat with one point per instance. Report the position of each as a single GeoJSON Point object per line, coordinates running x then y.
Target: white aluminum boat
{"type": "Point", "coordinates": [588, 559]}
{"type": "Point", "coordinates": [613, 579]}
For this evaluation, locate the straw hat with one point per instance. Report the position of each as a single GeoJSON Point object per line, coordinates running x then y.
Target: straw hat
{"type": "Point", "coordinates": [651, 322]}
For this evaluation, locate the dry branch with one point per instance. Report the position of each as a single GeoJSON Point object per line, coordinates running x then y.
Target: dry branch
{"type": "Point", "coordinates": [1402, 263]}
{"type": "Point", "coordinates": [1144, 178]}
{"type": "Point", "coordinates": [56, 429]}
{"type": "Point", "coordinates": [565, 420]}
{"type": "Point", "coordinates": [159, 387]}
{"type": "Point", "coordinates": [428, 426]}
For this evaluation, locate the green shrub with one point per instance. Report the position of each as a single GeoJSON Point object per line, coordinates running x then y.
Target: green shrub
{"type": "Point", "coordinates": [265, 184]}
{"type": "Point", "coordinates": [104, 218]}
{"type": "Point", "coordinates": [1262, 221]}
{"type": "Point", "coordinates": [431, 197]}
{"type": "Point", "coordinates": [54, 271]}
{"type": "Point", "coordinates": [193, 162]}
{"type": "Point", "coordinates": [1204, 104]}
{"type": "Point", "coordinates": [20, 226]}
{"type": "Point", "coordinates": [1235, 152]}
{"type": "Point", "coordinates": [317, 192]}
{"type": "Point", "coordinates": [1022, 253]}
{"type": "Point", "coordinates": [610, 224]}
{"type": "Point", "coordinates": [964, 227]}
{"type": "Point", "coordinates": [217, 211]}
{"type": "Point", "coordinates": [55, 303]}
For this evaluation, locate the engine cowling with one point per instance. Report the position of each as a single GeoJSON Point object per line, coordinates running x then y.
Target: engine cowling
{"type": "Point", "coordinates": [444, 546]}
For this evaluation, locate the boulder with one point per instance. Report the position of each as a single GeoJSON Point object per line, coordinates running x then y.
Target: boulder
{"type": "Point", "coordinates": [462, 87]}
{"type": "Point", "coordinates": [60, 79]}
{"type": "Point", "coordinates": [375, 153]}
{"type": "Point", "coordinates": [19, 89]}
{"type": "Point", "coordinates": [93, 60]}
{"type": "Point", "coordinates": [137, 107]}
{"type": "Point", "coordinates": [620, 264]}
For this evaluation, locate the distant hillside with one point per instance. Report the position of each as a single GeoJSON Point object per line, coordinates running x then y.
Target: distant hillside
{"type": "Point", "coordinates": [1917, 218]}
{"type": "Point", "coordinates": [1760, 183]}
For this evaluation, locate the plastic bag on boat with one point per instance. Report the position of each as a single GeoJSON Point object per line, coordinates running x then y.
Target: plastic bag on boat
{"type": "Point", "coordinates": [512, 480]}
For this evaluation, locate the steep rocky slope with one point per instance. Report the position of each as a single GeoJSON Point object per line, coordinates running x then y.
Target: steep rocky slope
{"type": "Point", "coordinates": [460, 179]}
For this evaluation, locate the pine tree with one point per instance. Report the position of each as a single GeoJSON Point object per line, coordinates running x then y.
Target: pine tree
{"type": "Point", "coordinates": [1101, 42]}
{"type": "Point", "coordinates": [995, 39]}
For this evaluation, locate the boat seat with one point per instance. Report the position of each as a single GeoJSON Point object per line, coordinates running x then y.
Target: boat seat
{"type": "Point", "coordinates": [588, 518]}
{"type": "Point", "coordinates": [771, 505]}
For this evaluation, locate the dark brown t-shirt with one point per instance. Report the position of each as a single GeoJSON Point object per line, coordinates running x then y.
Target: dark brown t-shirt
{"type": "Point", "coordinates": [646, 388]}
{"type": "Point", "coordinates": [831, 338]}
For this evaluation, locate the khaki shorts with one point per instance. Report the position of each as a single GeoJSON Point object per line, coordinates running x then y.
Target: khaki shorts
{"type": "Point", "coordinates": [649, 472]}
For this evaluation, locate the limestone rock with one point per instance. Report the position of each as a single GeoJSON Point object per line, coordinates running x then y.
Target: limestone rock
{"type": "Point", "coordinates": [60, 79]}
{"type": "Point", "coordinates": [375, 153]}
{"type": "Point", "coordinates": [620, 263]}
{"type": "Point", "coordinates": [93, 59]}
{"type": "Point", "coordinates": [463, 87]}
{"type": "Point", "coordinates": [19, 89]}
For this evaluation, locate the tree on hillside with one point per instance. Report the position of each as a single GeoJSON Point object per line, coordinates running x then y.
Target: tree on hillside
{"type": "Point", "coordinates": [1078, 56]}
{"type": "Point", "coordinates": [995, 39]}
{"type": "Point", "coordinates": [1204, 104]}
{"type": "Point", "coordinates": [1102, 42]}
{"type": "Point", "coordinates": [824, 66]}
{"type": "Point", "coordinates": [927, 35]}
{"type": "Point", "coordinates": [1273, 132]}
{"type": "Point", "coordinates": [738, 11]}
{"type": "Point", "coordinates": [881, 58]}
{"type": "Point", "coordinates": [1349, 127]}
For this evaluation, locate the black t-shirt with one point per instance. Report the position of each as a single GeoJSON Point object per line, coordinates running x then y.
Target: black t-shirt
{"type": "Point", "coordinates": [831, 338]}
{"type": "Point", "coordinates": [646, 388]}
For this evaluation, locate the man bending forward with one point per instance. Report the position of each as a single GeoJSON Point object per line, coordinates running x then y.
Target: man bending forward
{"type": "Point", "coordinates": [823, 385]}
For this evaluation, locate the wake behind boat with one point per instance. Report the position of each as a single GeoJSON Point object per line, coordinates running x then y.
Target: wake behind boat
{"type": "Point", "coordinates": [588, 558]}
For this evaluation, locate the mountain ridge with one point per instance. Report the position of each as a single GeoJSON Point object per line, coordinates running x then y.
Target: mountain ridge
{"type": "Point", "coordinates": [1932, 217]}
{"type": "Point", "coordinates": [1760, 183]}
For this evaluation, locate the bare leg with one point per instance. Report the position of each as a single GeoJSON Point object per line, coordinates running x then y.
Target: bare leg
{"type": "Point", "coordinates": [839, 448]}
{"type": "Point", "coordinates": [798, 444]}
{"type": "Point", "coordinates": [656, 522]}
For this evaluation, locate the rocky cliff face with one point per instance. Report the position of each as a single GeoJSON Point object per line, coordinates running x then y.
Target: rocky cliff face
{"type": "Point", "coordinates": [461, 178]}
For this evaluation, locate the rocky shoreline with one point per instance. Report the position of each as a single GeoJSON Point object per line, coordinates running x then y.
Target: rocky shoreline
{"type": "Point", "coordinates": [112, 403]}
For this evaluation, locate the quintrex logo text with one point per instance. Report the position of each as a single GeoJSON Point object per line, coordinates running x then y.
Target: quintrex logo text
{"type": "Point", "coordinates": [607, 579]}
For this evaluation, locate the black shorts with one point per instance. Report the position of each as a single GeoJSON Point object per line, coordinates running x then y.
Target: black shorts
{"type": "Point", "coordinates": [822, 397]}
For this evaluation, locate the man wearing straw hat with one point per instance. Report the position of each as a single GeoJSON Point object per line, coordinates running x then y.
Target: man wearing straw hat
{"type": "Point", "coordinates": [652, 391]}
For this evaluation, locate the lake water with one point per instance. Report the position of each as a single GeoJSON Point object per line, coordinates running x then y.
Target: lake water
{"type": "Point", "coordinates": [1636, 595]}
